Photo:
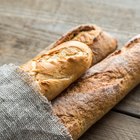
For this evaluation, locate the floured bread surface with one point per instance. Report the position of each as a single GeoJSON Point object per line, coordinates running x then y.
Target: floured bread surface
{"type": "Point", "coordinates": [58, 68]}
{"type": "Point", "coordinates": [99, 89]}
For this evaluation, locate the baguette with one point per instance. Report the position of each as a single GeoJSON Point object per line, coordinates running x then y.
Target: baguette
{"type": "Point", "coordinates": [99, 89]}
{"type": "Point", "coordinates": [68, 58]}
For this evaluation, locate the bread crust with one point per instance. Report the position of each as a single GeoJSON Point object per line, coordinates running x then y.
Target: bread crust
{"type": "Point", "coordinates": [100, 42]}
{"type": "Point", "coordinates": [99, 89]}
{"type": "Point", "coordinates": [59, 67]}
{"type": "Point", "coordinates": [68, 58]}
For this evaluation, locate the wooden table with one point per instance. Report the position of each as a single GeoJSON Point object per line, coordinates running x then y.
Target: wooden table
{"type": "Point", "coordinates": [28, 26]}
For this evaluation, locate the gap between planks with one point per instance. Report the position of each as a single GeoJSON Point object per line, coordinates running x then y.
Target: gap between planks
{"type": "Point", "coordinates": [114, 126]}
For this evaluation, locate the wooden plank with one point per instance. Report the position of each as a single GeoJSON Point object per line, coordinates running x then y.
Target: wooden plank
{"type": "Point", "coordinates": [114, 126]}
{"type": "Point", "coordinates": [16, 37]}
{"type": "Point", "coordinates": [27, 27]}
{"type": "Point", "coordinates": [130, 104]}
{"type": "Point", "coordinates": [38, 32]}
{"type": "Point", "coordinates": [124, 19]}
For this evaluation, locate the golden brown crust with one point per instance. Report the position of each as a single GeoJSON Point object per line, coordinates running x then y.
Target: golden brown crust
{"type": "Point", "coordinates": [102, 87]}
{"type": "Point", "coordinates": [73, 55]}
{"type": "Point", "coordinates": [101, 43]}
{"type": "Point", "coordinates": [59, 67]}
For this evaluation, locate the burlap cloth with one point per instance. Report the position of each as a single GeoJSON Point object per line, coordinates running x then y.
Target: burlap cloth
{"type": "Point", "coordinates": [24, 113]}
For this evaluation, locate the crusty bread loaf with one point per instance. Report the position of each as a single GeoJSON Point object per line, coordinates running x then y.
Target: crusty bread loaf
{"type": "Point", "coordinates": [60, 66]}
{"type": "Point", "coordinates": [68, 59]}
{"type": "Point", "coordinates": [102, 87]}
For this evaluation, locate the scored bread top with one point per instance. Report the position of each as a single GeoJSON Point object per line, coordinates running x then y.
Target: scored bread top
{"type": "Point", "coordinates": [59, 66]}
{"type": "Point", "coordinates": [64, 61]}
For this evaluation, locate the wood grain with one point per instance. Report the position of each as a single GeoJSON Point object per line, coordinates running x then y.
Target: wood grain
{"type": "Point", "coordinates": [29, 26]}
{"type": "Point", "coordinates": [37, 23]}
{"type": "Point", "coordinates": [130, 105]}
{"type": "Point", "coordinates": [114, 126]}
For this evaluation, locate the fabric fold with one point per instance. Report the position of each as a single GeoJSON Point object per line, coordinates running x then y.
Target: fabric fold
{"type": "Point", "coordinates": [24, 113]}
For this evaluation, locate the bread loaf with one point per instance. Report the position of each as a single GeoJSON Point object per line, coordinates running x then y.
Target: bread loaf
{"type": "Point", "coordinates": [100, 89]}
{"type": "Point", "coordinates": [68, 59]}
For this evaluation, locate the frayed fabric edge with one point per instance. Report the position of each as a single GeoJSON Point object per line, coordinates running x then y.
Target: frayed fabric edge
{"type": "Point", "coordinates": [28, 79]}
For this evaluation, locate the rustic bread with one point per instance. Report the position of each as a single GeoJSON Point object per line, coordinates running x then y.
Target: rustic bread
{"type": "Point", "coordinates": [60, 66]}
{"type": "Point", "coordinates": [68, 59]}
{"type": "Point", "coordinates": [100, 89]}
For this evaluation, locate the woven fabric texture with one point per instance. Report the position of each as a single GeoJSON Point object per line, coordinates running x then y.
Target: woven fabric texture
{"type": "Point", "coordinates": [24, 113]}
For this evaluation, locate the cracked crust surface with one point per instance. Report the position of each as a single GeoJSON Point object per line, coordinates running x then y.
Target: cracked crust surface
{"type": "Point", "coordinates": [57, 68]}
{"type": "Point", "coordinates": [68, 59]}
{"type": "Point", "coordinates": [102, 87]}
